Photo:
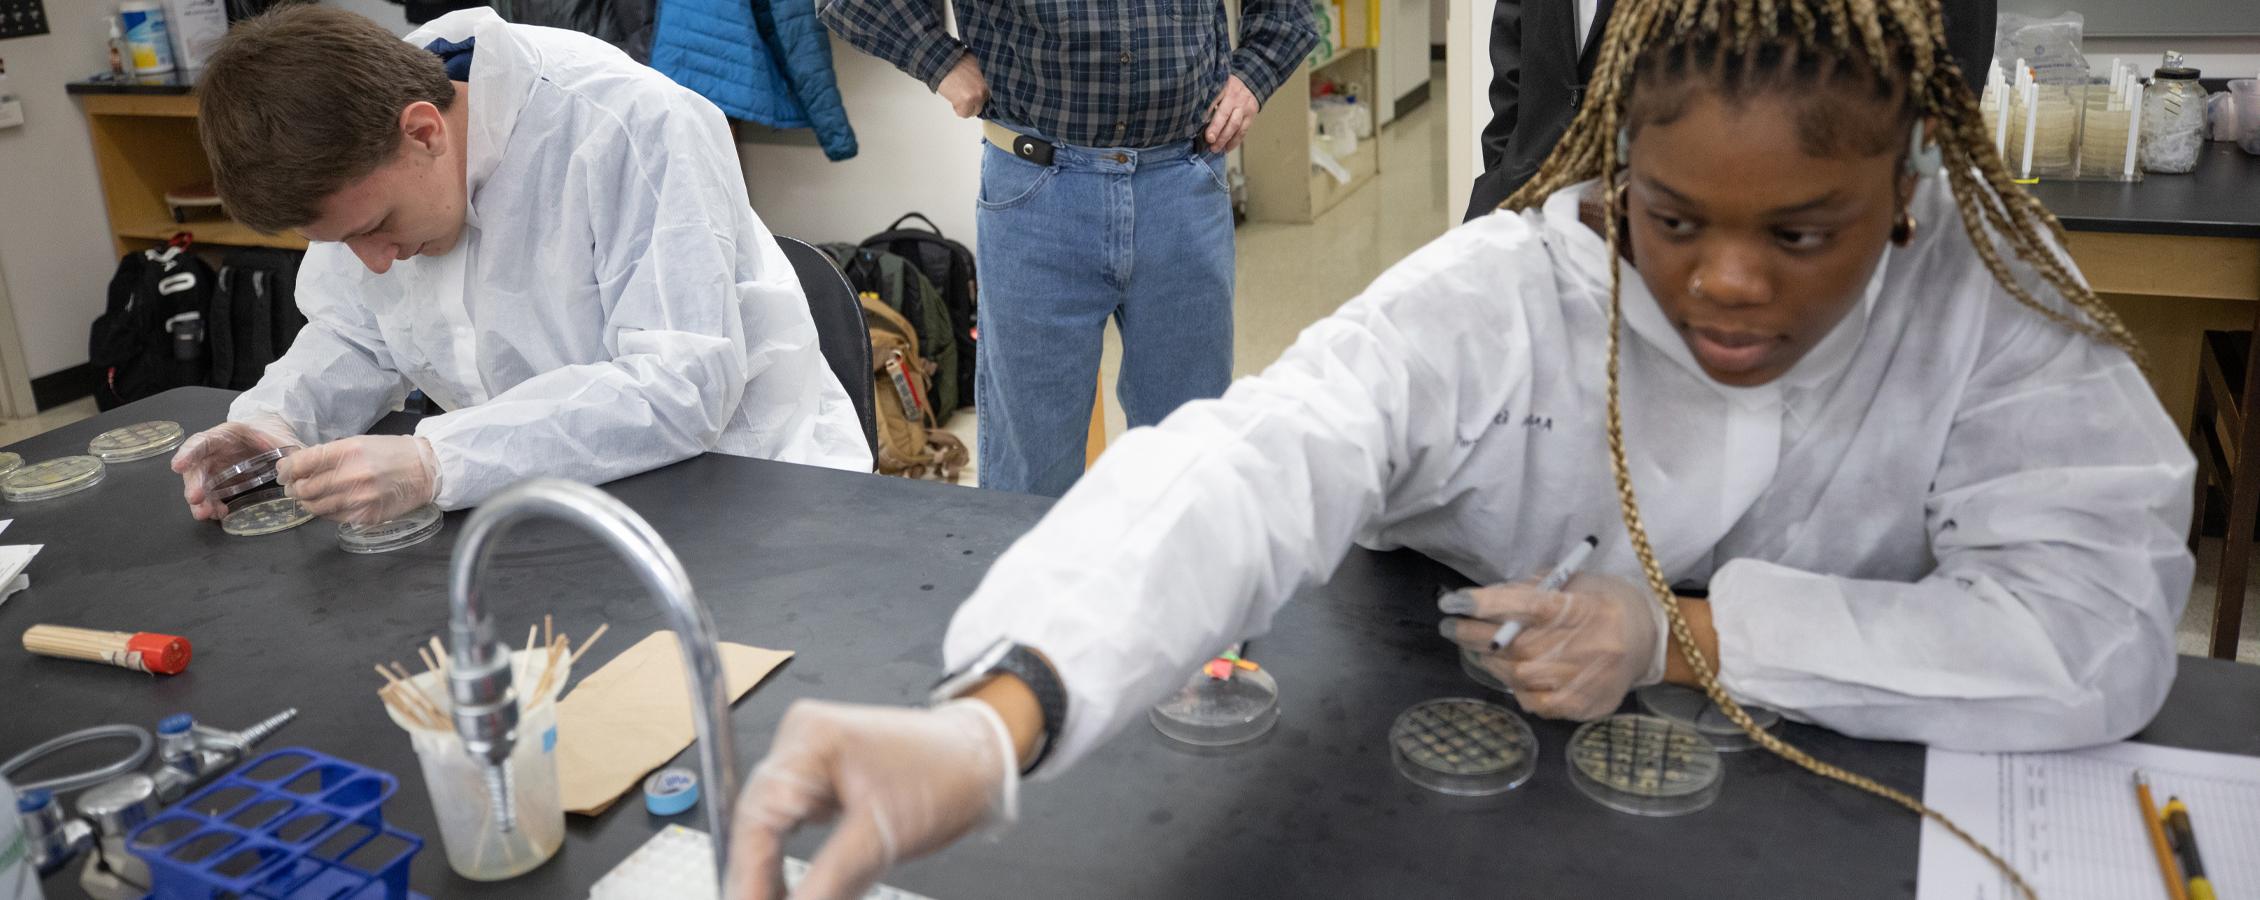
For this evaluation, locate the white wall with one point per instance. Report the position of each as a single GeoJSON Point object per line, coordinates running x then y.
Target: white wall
{"type": "Point", "coordinates": [915, 155]}
{"type": "Point", "coordinates": [1404, 52]}
{"type": "Point", "coordinates": [54, 236]}
{"type": "Point", "coordinates": [1467, 76]}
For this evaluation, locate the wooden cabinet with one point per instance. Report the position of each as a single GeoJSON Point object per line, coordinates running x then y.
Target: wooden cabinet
{"type": "Point", "coordinates": [145, 145]}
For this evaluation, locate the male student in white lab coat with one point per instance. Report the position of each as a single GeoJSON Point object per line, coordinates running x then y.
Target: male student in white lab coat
{"type": "Point", "coordinates": [548, 239]}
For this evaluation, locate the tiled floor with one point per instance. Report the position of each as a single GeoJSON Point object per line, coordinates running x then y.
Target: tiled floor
{"type": "Point", "coordinates": [13, 430]}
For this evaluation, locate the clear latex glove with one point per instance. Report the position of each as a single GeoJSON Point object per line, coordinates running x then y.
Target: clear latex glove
{"type": "Point", "coordinates": [362, 480]}
{"type": "Point", "coordinates": [204, 454]}
{"type": "Point", "coordinates": [1581, 649]}
{"type": "Point", "coordinates": [900, 783]}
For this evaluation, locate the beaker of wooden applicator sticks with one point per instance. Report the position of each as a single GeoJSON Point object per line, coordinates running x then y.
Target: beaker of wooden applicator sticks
{"type": "Point", "coordinates": [477, 847]}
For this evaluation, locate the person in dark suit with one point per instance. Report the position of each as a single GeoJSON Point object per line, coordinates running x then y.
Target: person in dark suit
{"type": "Point", "coordinates": [1543, 51]}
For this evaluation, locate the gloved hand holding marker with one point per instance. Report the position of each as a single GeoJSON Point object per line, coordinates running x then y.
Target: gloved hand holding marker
{"type": "Point", "coordinates": [1575, 643]}
{"type": "Point", "coordinates": [1553, 581]}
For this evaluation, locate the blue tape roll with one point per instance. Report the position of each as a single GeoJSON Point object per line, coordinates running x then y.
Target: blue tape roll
{"type": "Point", "coordinates": [670, 791]}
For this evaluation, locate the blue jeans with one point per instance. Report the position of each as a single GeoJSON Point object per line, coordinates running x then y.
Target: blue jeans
{"type": "Point", "coordinates": [1143, 236]}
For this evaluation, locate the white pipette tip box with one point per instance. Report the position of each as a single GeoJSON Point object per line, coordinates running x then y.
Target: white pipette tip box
{"type": "Point", "coordinates": [678, 864]}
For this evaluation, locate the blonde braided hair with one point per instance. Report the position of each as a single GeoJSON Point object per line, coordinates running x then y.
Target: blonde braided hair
{"type": "Point", "coordinates": [1901, 45]}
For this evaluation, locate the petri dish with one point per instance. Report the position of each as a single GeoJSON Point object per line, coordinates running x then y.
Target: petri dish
{"type": "Point", "coordinates": [134, 442]}
{"type": "Point", "coordinates": [414, 528]}
{"type": "Point", "coordinates": [266, 517]}
{"type": "Point", "coordinates": [10, 462]}
{"type": "Point", "coordinates": [1219, 712]}
{"type": "Point", "coordinates": [1463, 747]}
{"type": "Point", "coordinates": [261, 465]}
{"type": "Point", "coordinates": [53, 478]}
{"type": "Point", "coordinates": [1644, 765]}
{"type": "Point", "coordinates": [1692, 707]}
{"type": "Point", "coordinates": [247, 491]}
{"type": "Point", "coordinates": [1471, 662]}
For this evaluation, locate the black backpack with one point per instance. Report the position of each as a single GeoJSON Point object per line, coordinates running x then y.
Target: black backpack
{"type": "Point", "coordinates": [254, 314]}
{"type": "Point", "coordinates": [132, 346]}
{"type": "Point", "coordinates": [949, 265]}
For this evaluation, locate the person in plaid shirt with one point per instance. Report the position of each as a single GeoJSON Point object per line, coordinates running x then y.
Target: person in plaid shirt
{"type": "Point", "coordinates": [1102, 195]}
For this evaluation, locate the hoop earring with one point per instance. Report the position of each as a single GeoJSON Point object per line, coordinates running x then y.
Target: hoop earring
{"type": "Point", "coordinates": [1903, 229]}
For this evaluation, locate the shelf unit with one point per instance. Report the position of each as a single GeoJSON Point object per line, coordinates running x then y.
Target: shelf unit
{"type": "Point", "coordinates": [1282, 185]}
{"type": "Point", "coordinates": [144, 145]}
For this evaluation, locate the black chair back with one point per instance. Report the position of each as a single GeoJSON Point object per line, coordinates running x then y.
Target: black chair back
{"type": "Point", "coordinates": [840, 330]}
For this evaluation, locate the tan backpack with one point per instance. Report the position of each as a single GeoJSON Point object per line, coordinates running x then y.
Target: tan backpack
{"type": "Point", "coordinates": [911, 443]}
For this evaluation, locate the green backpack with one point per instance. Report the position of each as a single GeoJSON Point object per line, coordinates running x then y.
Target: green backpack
{"type": "Point", "coordinates": [906, 290]}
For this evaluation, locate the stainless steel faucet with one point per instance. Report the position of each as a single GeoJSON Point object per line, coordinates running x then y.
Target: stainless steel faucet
{"type": "Point", "coordinates": [486, 707]}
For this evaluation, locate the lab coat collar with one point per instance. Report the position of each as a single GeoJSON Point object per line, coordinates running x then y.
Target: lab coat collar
{"type": "Point", "coordinates": [1588, 257]}
{"type": "Point", "coordinates": [503, 72]}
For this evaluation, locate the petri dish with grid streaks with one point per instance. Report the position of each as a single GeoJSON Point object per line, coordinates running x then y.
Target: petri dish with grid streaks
{"type": "Point", "coordinates": [53, 478]}
{"type": "Point", "coordinates": [407, 531]}
{"type": "Point", "coordinates": [1689, 706]}
{"type": "Point", "coordinates": [1464, 747]}
{"type": "Point", "coordinates": [139, 441]}
{"type": "Point", "coordinates": [266, 517]}
{"type": "Point", "coordinates": [1219, 712]}
{"type": "Point", "coordinates": [1644, 765]}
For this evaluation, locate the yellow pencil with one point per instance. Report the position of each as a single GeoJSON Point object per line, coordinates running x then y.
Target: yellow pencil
{"type": "Point", "coordinates": [2157, 830]}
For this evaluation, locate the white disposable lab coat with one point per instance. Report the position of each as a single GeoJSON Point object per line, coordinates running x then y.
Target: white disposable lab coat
{"type": "Point", "coordinates": [614, 304]}
{"type": "Point", "coordinates": [1954, 522]}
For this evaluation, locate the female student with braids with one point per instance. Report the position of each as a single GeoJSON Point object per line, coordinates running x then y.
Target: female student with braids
{"type": "Point", "coordinates": [1772, 321]}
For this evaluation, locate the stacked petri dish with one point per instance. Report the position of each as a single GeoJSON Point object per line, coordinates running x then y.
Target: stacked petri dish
{"type": "Point", "coordinates": [51, 479]}
{"type": "Point", "coordinates": [10, 462]}
{"type": "Point", "coordinates": [139, 441]}
{"type": "Point", "coordinates": [253, 494]}
{"type": "Point", "coordinates": [1463, 747]}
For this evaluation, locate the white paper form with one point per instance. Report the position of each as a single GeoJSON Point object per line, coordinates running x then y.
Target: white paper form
{"type": "Point", "coordinates": [2070, 824]}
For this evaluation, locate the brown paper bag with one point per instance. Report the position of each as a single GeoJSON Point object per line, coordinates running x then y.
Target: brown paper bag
{"type": "Point", "coordinates": [633, 715]}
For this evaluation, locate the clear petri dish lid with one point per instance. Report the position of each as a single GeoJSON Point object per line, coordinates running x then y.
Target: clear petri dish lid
{"type": "Point", "coordinates": [414, 528]}
{"type": "Point", "coordinates": [1644, 765]}
{"type": "Point", "coordinates": [250, 467]}
{"type": "Point", "coordinates": [246, 491]}
{"type": "Point", "coordinates": [1694, 708]}
{"type": "Point", "coordinates": [1471, 662]}
{"type": "Point", "coordinates": [266, 517]}
{"type": "Point", "coordinates": [10, 462]}
{"type": "Point", "coordinates": [133, 442]}
{"type": "Point", "coordinates": [53, 478]}
{"type": "Point", "coordinates": [1219, 712]}
{"type": "Point", "coordinates": [1463, 746]}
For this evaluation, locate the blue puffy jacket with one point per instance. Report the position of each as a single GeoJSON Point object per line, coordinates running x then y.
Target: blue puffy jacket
{"type": "Point", "coordinates": [766, 61]}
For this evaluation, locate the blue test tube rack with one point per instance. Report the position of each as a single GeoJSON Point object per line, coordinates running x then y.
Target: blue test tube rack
{"type": "Point", "coordinates": [293, 824]}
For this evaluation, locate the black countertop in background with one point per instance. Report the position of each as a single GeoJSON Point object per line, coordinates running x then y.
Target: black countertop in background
{"type": "Point", "coordinates": [2220, 199]}
{"type": "Point", "coordinates": [174, 82]}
